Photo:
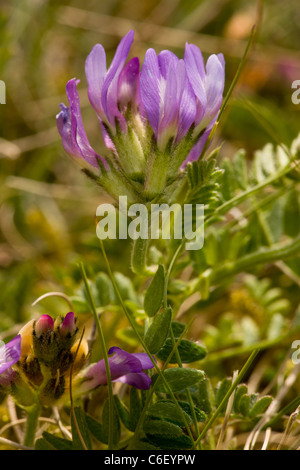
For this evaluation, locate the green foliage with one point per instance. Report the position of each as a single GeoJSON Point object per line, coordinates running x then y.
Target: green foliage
{"type": "Point", "coordinates": [80, 433]}
{"type": "Point", "coordinates": [188, 351]}
{"type": "Point", "coordinates": [100, 430]}
{"type": "Point", "coordinates": [154, 294]}
{"type": "Point", "coordinates": [166, 435]}
{"type": "Point", "coordinates": [157, 333]}
{"type": "Point", "coordinates": [178, 379]}
{"type": "Point", "coordinates": [166, 410]}
{"type": "Point", "coordinates": [203, 179]}
{"type": "Point", "coordinates": [249, 405]}
{"type": "Point", "coordinates": [52, 442]}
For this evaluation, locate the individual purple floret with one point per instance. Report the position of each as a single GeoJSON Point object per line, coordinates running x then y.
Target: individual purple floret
{"type": "Point", "coordinates": [124, 367]}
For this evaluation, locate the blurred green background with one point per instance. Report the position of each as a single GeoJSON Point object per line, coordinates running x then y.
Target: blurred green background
{"type": "Point", "coordinates": [47, 206]}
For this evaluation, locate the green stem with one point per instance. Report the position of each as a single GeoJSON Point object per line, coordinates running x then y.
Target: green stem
{"type": "Point", "coordinates": [156, 173]}
{"type": "Point", "coordinates": [241, 350]}
{"type": "Point", "coordinates": [228, 394]}
{"type": "Point", "coordinates": [153, 388]}
{"type": "Point", "coordinates": [187, 391]}
{"type": "Point", "coordinates": [267, 255]}
{"type": "Point", "coordinates": [33, 413]}
{"type": "Point", "coordinates": [229, 92]}
{"type": "Point", "coordinates": [289, 408]}
{"type": "Point", "coordinates": [104, 350]}
{"type": "Point", "coordinates": [168, 273]}
{"type": "Point", "coordinates": [238, 72]}
{"type": "Point", "coordinates": [141, 340]}
{"type": "Point", "coordinates": [139, 257]}
{"type": "Point", "coordinates": [179, 362]}
{"type": "Point", "coordinates": [241, 197]}
{"type": "Point", "coordinates": [262, 256]}
{"type": "Point", "coordinates": [259, 205]}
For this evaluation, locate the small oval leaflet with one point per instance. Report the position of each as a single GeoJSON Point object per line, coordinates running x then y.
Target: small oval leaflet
{"type": "Point", "coordinates": [188, 351]}
{"type": "Point", "coordinates": [154, 295]}
{"type": "Point", "coordinates": [158, 331]}
{"type": "Point", "coordinates": [178, 379]}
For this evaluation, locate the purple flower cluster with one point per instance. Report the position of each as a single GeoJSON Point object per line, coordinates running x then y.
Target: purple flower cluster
{"type": "Point", "coordinates": [178, 94]}
{"type": "Point", "coordinates": [175, 98]}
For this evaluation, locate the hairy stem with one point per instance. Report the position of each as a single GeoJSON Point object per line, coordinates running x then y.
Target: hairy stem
{"type": "Point", "coordinates": [104, 350]}
{"type": "Point", "coordinates": [142, 342]}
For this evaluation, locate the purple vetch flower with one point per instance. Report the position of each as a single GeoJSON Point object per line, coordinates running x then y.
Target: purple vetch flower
{"type": "Point", "coordinates": [70, 127]}
{"type": "Point", "coordinates": [111, 91]}
{"type": "Point", "coordinates": [124, 367]}
{"type": "Point", "coordinates": [207, 82]}
{"type": "Point", "coordinates": [153, 121]}
{"type": "Point", "coordinates": [167, 96]}
{"type": "Point", "coordinates": [180, 93]}
{"type": "Point", "coordinates": [115, 96]}
{"type": "Point", "coordinates": [10, 354]}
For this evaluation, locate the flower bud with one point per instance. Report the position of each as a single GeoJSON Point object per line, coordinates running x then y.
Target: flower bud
{"type": "Point", "coordinates": [68, 327]}
{"type": "Point", "coordinates": [43, 325]}
{"type": "Point", "coordinates": [45, 341]}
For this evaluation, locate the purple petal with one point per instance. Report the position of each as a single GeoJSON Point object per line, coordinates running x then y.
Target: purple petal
{"type": "Point", "coordinates": [70, 127]}
{"type": "Point", "coordinates": [221, 59]}
{"type": "Point", "coordinates": [150, 88]}
{"type": "Point", "coordinates": [8, 377]}
{"type": "Point", "coordinates": [64, 126]}
{"type": "Point", "coordinates": [215, 78]}
{"type": "Point", "coordinates": [87, 151]}
{"type": "Point", "coordinates": [128, 85]}
{"type": "Point", "coordinates": [168, 124]}
{"type": "Point", "coordinates": [112, 109]}
{"type": "Point", "coordinates": [141, 381]}
{"type": "Point", "coordinates": [107, 140]}
{"type": "Point", "coordinates": [187, 99]}
{"type": "Point", "coordinates": [109, 97]}
{"type": "Point", "coordinates": [194, 60]}
{"type": "Point", "coordinates": [196, 73]}
{"type": "Point", "coordinates": [121, 363]}
{"type": "Point", "coordinates": [167, 59]}
{"type": "Point", "coordinates": [144, 360]}
{"type": "Point", "coordinates": [68, 325]}
{"type": "Point", "coordinates": [124, 367]}
{"type": "Point", "coordinates": [199, 146]}
{"type": "Point", "coordinates": [95, 71]}
{"type": "Point", "coordinates": [10, 353]}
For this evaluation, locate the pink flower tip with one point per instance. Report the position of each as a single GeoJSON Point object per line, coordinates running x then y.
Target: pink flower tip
{"type": "Point", "coordinates": [44, 323]}
{"type": "Point", "coordinates": [68, 325]}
